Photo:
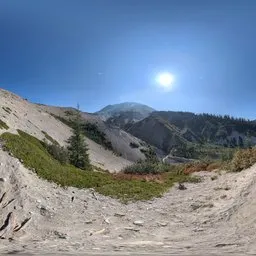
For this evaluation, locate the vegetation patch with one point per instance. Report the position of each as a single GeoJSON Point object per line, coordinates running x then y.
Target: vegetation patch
{"type": "Point", "coordinates": [90, 130]}
{"type": "Point", "coordinates": [243, 159]}
{"type": "Point", "coordinates": [134, 145]}
{"type": "Point", "coordinates": [57, 152]}
{"type": "Point", "coordinates": [36, 157]}
{"type": "Point", "coordinates": [65, 121]}
{"type": "Point", "coordinates": [149, 153]}
{"type": "Point", "coordinates": [203, 152]}
{"type": "Point", "coordinates": [3, 125]}
{"type": "Point", "coordinates": [51, 139]}
{"type": "Point", "coordinates": [7, 109]}
{"type": "Point", "coordinates": [70, 112]}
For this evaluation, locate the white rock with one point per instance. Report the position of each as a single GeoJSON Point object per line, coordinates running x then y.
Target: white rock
{"type": "Point", "coordinates": [138, 222]}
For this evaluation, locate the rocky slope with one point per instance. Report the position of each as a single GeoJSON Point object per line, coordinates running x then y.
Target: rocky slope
{"type": "Point", "coordinates": [18, 113]}
{"type": "Point", "coordinates": [167, 130]}
{"type": "Point", "coordinates": [119, 140]}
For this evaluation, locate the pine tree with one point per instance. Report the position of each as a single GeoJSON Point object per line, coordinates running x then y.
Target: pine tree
{"type": "Point", "coordinates": [79, 156]}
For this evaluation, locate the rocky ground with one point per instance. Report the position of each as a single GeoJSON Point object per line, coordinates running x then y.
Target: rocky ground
{"type": "Point", "coordinates": [215, 216]}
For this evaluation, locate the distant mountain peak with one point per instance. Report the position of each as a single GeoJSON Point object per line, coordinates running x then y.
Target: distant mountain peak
{"type": "Point", "coordinates": [132, 110]}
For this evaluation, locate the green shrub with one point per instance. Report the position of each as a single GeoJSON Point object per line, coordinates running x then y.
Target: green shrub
{"type": "Point", "coordinates": [150, 154]}
{"type": "Point", "coordinates": [243, 159]}
{"type": "Point", "coordinates": [70, 112]}
{"type": "Point", "coordinates": [92, 132]}
{"type": "Point", "coordinates": [3, 125]}
{"type": "Point", "coordinates": [51, 139]}
{"type": "Point", "coordinates": [7, 109]}
{"type": "Point", "coordinates": [59, 153]}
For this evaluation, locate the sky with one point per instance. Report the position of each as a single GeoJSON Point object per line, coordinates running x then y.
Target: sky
{"type": "Point", "coordinates": [100, 52]}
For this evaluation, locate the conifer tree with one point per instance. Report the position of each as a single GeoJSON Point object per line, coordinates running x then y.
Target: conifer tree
{"type": "Point", "coordinates": [78, 149]}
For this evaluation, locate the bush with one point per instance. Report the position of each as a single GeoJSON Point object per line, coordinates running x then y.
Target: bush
{"type": "Point", "coordinates": [51, 139]}
{"type": "Point", "coordinates": [195, 167]}
{"type": "Point", "coordinates": [243, 159]}
{"type": "Point", "coordinates": [59, 153]}
{"type": "Point", "coordinates": [3, 125]}
{"type": "Point", "coordinates": [150, 154]}
{"type": "Point", "coordinates": [134, 145]}
{"type": "Point", "coordinates": [92, 131]}
{"type": "Point", "coordinates": [7, 109]}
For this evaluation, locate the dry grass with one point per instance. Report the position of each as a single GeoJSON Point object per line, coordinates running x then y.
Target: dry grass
{"type": "Point", "coordinates": [243, 159]}
{"type": "Point", "coordinates": [195, 167]}
{"type": "Point", "coordinates": [202, 166]}
{"type": "Point", "coordinates": [214, 166]}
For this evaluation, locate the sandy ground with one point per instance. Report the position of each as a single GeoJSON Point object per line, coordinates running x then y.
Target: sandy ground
{"type": "Point", "coordinates": [215, 216]}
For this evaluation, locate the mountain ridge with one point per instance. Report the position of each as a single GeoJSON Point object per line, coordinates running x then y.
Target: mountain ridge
{"type": "Point", "coordinates": [139, 110]}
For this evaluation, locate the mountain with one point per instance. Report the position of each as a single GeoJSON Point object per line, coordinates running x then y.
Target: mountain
{"type": "Point", "coordinates": [112, 138]}
{"type": "Point", "coordinates": [125, 112]}
{"type": "Point", "coordinates": [170, 131]}
{"type": "Point", "coordinates": [43, 122]}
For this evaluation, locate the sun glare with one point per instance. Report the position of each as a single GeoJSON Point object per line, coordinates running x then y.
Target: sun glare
{"type": "Point", "coordinates": [165, 80]}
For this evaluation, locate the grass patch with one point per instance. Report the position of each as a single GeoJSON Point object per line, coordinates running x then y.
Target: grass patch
{"type": "Point", "coordinates": [3, 125]}
{"type": "Point", "coordinates": [36, 157]}
{"type": "Point", "coordinates": [51, 139]}
{"type": "Point", "coordinates": [207, 166]}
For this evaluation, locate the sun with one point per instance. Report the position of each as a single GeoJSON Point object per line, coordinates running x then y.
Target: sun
{"type": "Point", "coordinates": [165, 80]}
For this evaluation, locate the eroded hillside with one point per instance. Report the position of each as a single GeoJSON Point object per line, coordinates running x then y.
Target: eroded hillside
{"type": "Point", "coordinates": [18, 113]}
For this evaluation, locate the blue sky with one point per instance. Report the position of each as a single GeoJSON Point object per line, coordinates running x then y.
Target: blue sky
{"type": "Point", "coordinates": [100, 52]}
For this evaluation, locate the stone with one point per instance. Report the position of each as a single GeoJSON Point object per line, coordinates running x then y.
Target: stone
{"type": "Point", "coordinates": [162, 224]}
{"type": "Point", "coordinates": [119, 214]}
{"type": "Point", "coordinates": [181, 186]}
{"type": "Point", "coordinates": [138, 222]}
{"type": "Point", "coordinates": [60, 235]}
{"type": "Point", "coordinates": [132, 229]}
